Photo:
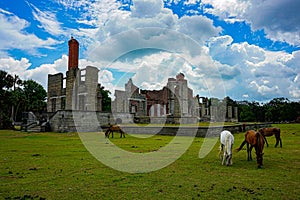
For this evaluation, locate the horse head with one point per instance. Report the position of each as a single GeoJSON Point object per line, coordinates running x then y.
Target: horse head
{"type": "Point", "coordinates": [259, 149]}
{"type": "Point", "coordinates": [259, 159]}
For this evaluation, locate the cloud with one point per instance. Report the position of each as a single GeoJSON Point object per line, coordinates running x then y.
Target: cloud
{"type": "Point", "coordinates": [153, 28]}
{"type": "Point", "coordinates": [146, 8]}
{"type": "Point", "coordinates": [221, 65]}
{"type": "Point", "coordinates": [199, 28]}
{"type": "Point", "coordinates": [151, 44]}
{"type": "Point", "coordinates": [189, 2]}
{"type": "Point", "coordinates": [226, 9]}
{"type": "Point", "coordinates": [39, 74]}
{"type": "Point", "coordinates": [263, 88]}
{"type": "Point", "coordinates": [225, 51]}
{"type": "Point", "coordinates": [47, 21]}
{"type": "Point", "coordinates": [15, 67]}
{"type": "Point", "coordinates": [267, 74]}
{"type": "Point", "coordinates": [279, 19]}
{"type": "Point", "coordinates": [14, 36]}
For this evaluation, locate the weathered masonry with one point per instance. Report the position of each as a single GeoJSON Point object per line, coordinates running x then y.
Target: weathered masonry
{"type": "Point", "coordinates": [79, 90]}
{"type": "Point", "coordinates": [175, 99]}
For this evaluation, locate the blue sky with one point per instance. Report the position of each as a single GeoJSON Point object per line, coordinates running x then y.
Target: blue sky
{"type": "Point", "coordinates": [245, 49]}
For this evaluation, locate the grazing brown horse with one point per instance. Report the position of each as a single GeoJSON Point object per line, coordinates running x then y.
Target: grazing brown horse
{"type": "Point", "coordinates": [254, 139]}
{"type": "Point", "coordinates": [111, 130]}
{"type": "Point", "coordinates": [267, 132]}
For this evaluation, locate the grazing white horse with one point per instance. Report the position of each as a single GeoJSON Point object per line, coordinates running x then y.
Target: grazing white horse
{"type": "Point", "coordinates": [226, 140]}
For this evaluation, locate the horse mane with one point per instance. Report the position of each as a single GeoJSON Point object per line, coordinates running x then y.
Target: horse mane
{"type": "Point", "coordinates": [258, 141]}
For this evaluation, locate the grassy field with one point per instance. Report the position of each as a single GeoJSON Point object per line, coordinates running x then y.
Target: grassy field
{"type": "Point", "coordinates": [57, 166]}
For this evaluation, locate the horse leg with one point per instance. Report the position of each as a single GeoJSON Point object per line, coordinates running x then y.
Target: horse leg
{"type": "Point", "coordinates": [107, 132]}
{"type": "Point", "coordinates": [266, 141]}
{"type": "Point", "coordinates": [224, 157]}
{"type": "Point", "coordinates": [229, 160]}
{"type": "Point", "coordinates": [250, 152]}
{"type": "Point", "coordinates": [122, 134]}
{"type": "Point", "coordinates": [230, 156]}
{"type": "Point", "coordinates": [220, 152]}
{"type": "Point", "coordinates": [278, 139]}
{"type": "Point", "coordinates": [280, 142]}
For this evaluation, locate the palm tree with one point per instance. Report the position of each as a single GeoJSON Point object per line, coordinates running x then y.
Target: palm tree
{"type": "Point", "coordinates": [6, 82]}
{"type": "Point", "coordinates": [16, 96]}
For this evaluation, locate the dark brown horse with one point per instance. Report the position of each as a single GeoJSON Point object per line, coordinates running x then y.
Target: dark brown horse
{"type": "Point", "coordinates": [113, 128]}
{"type": "Point", "coordinates": [267, 132]}
{"type": "Point", "coordinates": [256, 140]}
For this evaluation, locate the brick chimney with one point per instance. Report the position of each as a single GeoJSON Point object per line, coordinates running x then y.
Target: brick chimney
{"type": "Point", "coordinates": [73, 54]}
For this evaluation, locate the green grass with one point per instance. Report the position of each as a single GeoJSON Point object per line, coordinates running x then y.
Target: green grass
{"type": "Point", "coordinates": [57, 166]}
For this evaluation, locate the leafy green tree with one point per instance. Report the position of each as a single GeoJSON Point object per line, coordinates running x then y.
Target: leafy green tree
{"type": "Point", "coordinates": [293, 111]}
{"type": "Point", "coordinates": [18, 101]}
{"type": "Point", "coordinates": [16, 97]}
{"type": "Point", "coordinates": [6, 82]}
{"type": "Point", "coordinates": [276, 108]}
{"type": "Point", "coordinates": [245, 112]}
{"type": "Point", "coordinates": [106, 100]}
{"type": "Point", "coordinates": [35, 96]}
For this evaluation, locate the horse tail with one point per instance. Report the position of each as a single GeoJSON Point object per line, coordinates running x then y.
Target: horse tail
{"type": "Point", "coordinates": [227, 143]}
{"type": "Point", "coordinates": [238, 149]}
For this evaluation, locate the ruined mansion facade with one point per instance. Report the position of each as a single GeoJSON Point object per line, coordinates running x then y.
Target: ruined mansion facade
{"type": "Point", "coordinates": [175, 99]}
{"type": "Point", "coordinates": [78, 90]}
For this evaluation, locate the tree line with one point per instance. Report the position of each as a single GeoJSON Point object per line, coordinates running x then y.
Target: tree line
{"type": "Point", "coordinates": [18, 96]}
{"type": "Point", "coordinates": [276, 111]}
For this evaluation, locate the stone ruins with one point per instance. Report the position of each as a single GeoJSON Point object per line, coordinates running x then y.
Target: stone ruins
{"type": "Point", "coordinates": [175, 99]}
{"type": "Point", "coordinates": [79, 92]}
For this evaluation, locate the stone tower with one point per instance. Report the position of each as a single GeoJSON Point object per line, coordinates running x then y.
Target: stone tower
{"type": "Point", "coordinates": [178, 97]}
{"type": "Point", "coordinates": [79, 90]}
{"type": "Point", "coordinates": [71, 73]}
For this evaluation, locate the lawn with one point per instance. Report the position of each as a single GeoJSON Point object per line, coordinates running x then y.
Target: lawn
{"type": "Point", "coordinates": [58, 166]}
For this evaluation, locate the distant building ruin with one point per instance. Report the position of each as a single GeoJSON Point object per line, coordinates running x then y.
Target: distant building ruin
{"type": "Point", "coordinates": [175, 99]}
{"type": "Point", "coordinates": [214, 110]}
